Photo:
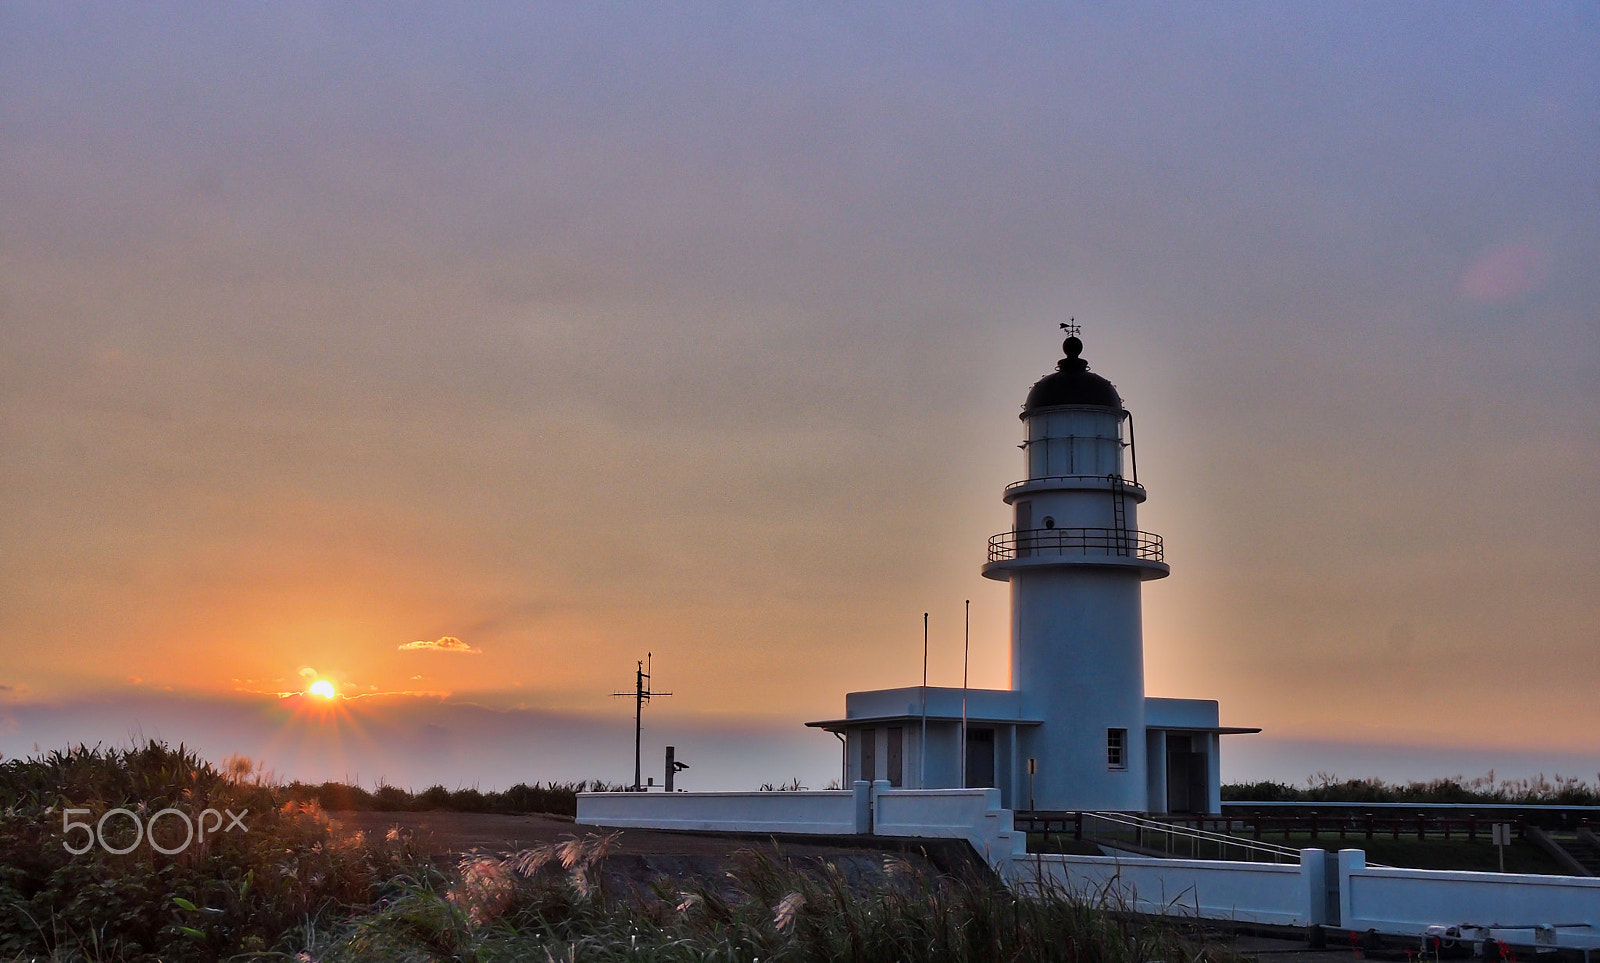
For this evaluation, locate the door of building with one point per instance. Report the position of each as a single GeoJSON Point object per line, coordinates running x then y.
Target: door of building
{"type": "Point", "coordinates": [980, 758]}
{"type": "Point", "coordinates": [1186, 775]}
{"type": "Point", "coordinates": [869, 754]}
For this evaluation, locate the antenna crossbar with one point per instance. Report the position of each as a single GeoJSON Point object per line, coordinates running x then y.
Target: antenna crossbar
{"type": "Point", "coordinates": [641, 694]}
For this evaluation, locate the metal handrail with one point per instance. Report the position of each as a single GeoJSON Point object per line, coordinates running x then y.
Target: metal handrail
{"type": "Point", "coordinates": [1122, 542]}
{"type": "Point", "coordinates": [1081, 825]}
{"type": "Point", "coordinates": [1198, 835]}
{"type": "Point", "coordinates": [1130, 485]}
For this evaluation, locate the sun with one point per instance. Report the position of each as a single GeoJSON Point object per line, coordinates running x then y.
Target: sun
{"type": "Point", "coordinates": [324, 688]}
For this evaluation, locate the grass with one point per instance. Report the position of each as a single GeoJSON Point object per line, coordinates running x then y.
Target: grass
{"type": "Point", "coordinates": [286, 890]}
{"type": "Point", "coordinates": [553, 904]}
{"type": "Point", "coordinates": [231, 892]}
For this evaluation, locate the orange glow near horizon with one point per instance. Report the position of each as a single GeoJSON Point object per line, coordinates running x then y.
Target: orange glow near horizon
{"type": "Point", "coordinates": [324, 688]}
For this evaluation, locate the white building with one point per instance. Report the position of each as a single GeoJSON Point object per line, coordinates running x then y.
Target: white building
{"type": "Point", "coordinates": [1075, 731]}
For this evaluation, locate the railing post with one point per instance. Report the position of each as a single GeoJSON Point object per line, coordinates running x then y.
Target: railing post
{"type": "Point", "coordinates": [1077, 826]}
{"type": "Point", "coordinates": [1369, 825]}
{"type": "Point", "coordinates": [862, 791]}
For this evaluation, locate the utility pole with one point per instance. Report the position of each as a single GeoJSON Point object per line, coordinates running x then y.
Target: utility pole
{"type": "Point", "coordinates": [641, 694]}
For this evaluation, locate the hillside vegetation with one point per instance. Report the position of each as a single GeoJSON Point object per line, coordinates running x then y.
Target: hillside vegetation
{"type": "Point", "coordinates": [1323, 787]}
{"type": "Point", "coordinates": [142, 886]}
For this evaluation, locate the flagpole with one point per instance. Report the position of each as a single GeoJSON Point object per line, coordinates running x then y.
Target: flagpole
{"type": "Point", "coordinates": [922, 745]}
{"type": "Point", "coordinates": [966, 649]}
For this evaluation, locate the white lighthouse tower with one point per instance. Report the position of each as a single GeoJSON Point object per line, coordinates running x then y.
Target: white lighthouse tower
{"type": "Point", "coordinates": [1075, 730]}
{"type": "Point", "coordinates": [1076, 561]}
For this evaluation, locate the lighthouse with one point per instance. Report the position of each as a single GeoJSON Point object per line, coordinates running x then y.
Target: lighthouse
{"type": "Point", "coordinates": [1075, 730]}
{"type": "Point", "coordinates": [1077, 563]}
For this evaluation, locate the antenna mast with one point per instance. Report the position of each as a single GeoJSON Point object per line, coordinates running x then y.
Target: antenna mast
{"type": "Point", "coordinates": [641, 694]}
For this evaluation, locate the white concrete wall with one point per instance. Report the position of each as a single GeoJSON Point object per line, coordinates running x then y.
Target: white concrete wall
{"type": "Point", "coordinates": [944, 755]}
{"type": "Point", "coordinates": [1526, 910]}
{"type": "Point", "coordinates": [1155, 761]}
{"type": "Point", "coordinates": [1214, 776]}
{"type": "Point", "coordinates": [1077, 658]}
{"type": "Point", "coordinates": [971, 814]}
{"type": "Point", "coordinates": [1405, 902]}
{"type": "Point", "coordinates": [1275, 893]}
{"type": "Point", "coordinates": [827, 811]}
{"type": "Point", "coordinates": [942, 701]}
{"type": "Point", "coordinates": [1160, 713]}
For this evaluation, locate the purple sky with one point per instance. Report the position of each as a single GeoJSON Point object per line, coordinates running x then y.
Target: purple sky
{"type": "Point", "coordinates": [579, 332]}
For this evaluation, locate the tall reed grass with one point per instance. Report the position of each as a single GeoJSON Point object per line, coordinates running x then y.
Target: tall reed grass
{"type": "Point", "coordinates": [287, 890]}
{"type": "Point", "coordinates": [558, 903]}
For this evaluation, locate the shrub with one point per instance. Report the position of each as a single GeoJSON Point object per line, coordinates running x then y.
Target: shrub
{"type": "Point", "coordinates": [228, 892]}
{"type": "Point", "coordinates": [1326, 787]}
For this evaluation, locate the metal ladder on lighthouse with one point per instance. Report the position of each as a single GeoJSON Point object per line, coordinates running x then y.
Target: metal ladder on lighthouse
{"type": "Point", "coordinates": [1119, 514]}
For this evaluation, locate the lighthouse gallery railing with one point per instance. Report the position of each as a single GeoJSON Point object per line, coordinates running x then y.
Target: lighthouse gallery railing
{"type": "Point", "coordinates": [1115, 542]}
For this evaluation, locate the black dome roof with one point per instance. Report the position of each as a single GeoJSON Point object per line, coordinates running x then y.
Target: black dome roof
{"type": "Point", "coordinates": [1072, 384]}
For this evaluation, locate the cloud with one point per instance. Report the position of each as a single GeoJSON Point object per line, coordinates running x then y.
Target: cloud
{"type": "Point", "coordinates": [1505, 272]}
{"type": "Point", "coordinates": [447, 643]}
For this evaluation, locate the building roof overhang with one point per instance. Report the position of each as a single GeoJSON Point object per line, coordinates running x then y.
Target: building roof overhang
{"type": "Point", "coordinates": [839, 725]}
{"type": "Point", "coordinates": [1219, 730]}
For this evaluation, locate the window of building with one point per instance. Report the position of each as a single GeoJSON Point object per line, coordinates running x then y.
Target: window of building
{"type": "Point", "coordinates": [1116, 748]}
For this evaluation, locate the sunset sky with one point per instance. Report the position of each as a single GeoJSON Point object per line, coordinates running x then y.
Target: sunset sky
{"type": "Point", "coordinates": [568, 333]}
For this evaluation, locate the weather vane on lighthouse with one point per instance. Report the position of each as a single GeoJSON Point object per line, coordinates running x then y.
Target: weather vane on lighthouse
{"type": "Point", "coordinates": [1070, 326]}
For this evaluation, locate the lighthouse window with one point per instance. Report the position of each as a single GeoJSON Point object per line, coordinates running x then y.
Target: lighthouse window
{"type": "Point", "coordinates": [1049, 521]}
{"type": "Point", "coordinates": [1116, 748]}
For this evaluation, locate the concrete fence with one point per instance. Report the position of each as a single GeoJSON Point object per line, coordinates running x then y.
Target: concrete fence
{"type": "Point", "coordinates": [1282, 894]}
{"type": "Point", "coordinates": [971, 814]}
{"type": "Point", "coordinates": [1523, 909]}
